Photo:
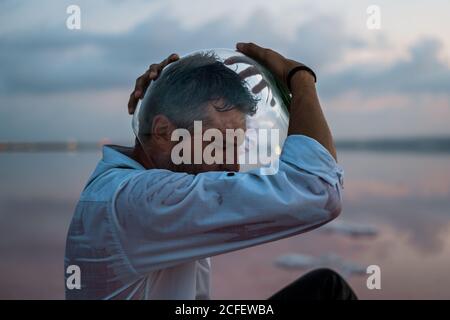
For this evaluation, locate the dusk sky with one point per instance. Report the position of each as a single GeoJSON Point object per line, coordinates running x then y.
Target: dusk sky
{"type": "Point", "coordinates": [60, 84]}
{"type": "Point", "coordinates": [72, 86]}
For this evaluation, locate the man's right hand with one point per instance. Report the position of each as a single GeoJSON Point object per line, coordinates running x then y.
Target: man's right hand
{"type": "Point", "coordinates": [144, 81]}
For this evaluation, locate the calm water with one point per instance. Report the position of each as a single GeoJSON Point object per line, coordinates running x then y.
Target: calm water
{"type": "Point", "coordinates": [406, 196]}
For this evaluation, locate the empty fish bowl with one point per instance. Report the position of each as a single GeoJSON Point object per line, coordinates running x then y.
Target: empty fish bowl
{"type": "Point", "coordinates": [216, 92]}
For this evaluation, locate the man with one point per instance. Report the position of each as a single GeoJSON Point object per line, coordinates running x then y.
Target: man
{"type": "Point", "coordinates": [145, 228]}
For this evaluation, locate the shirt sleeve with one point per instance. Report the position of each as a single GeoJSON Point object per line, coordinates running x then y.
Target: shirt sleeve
{"type": "Point", "coordinates": [164, 218]}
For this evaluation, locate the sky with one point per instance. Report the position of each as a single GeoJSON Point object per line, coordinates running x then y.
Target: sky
{"type": "Point", "coordinates": [61, 84]}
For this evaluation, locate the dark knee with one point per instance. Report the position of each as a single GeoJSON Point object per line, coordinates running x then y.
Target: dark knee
{"type": "Point", "coordinates": [326, 274]}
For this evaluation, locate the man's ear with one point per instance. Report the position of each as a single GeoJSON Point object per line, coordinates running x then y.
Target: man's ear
{"type": "Point", "coordinates": [162, 129]}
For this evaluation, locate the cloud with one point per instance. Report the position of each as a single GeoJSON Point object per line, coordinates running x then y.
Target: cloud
{"type": "Point", "coordinates": [422, 72]}
{"type": "Point", "coordinates": [55, 59]}
{"type": "Point", "coordinates": [43, 67]}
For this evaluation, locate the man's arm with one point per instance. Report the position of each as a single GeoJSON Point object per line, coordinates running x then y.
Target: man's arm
{"type": "Point", "coordinates": [164, 218]}
{"type": "Point", "coordinates": [306, 116]}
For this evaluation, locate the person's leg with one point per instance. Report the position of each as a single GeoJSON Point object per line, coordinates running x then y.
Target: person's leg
{"type": "Point", "coordinates": [319, 284]}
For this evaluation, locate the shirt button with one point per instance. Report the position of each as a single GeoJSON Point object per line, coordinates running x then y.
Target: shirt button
{"type": "Point", "coordinates": [341, 180]}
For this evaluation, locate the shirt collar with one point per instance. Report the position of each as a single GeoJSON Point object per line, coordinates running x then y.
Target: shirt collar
{"type": "Point", "coordinates": [116, 156]}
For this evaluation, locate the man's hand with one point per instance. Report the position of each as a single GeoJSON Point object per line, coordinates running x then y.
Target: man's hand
{"type": "Point", "coordinates": [306, 116]}
{"type": "Point", "coordinates": [275, 62]}
{"type": "Point", "coordinates": [144, 81]}
{"type": "Point", "coordinates": [249, 72]}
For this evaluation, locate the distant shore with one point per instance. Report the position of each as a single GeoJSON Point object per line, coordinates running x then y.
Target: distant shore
{"type": "Point", "coordinates": [419, 144]}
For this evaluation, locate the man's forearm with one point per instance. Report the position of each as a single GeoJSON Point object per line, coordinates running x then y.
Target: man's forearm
{"type": "Point", "coordinates": [306, 116]}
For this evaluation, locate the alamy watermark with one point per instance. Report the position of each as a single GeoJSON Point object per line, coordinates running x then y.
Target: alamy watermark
{"type": "Point", "coordinates": [73, 21]}
{"type": "Point", "coordinates": [374, 17]}
{"type": "Point", "coordinates": [223, 148]}
{"type": "Point", "coordinates": [374, 280]}
{"type": "Point", "coordinates": [74, 277]}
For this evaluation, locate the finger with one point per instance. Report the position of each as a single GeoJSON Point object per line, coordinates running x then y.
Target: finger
{"type": "Point", "coordinates": [142, 84]}
{"type": "Point", "coordinates": [250, 71]}
{"type": "Point", "coordinates": [237, 59]}
{"type": "Point", "coordinates": [153, 71]}
{"type": "Point", "coordinates": [259, 87]}
{"type": "Point", "coordinates": [252, 50]}
{"type": "Point", "coordinates": [171, 58]}
{"type": "Point", "coordinates": [132, 103]}
{"type": "Point", "coordinates": [272, 102]}
{"type": "Point", "coordinates": [157, 68]}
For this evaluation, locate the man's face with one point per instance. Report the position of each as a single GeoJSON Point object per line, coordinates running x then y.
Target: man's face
{"type": "Point", "coordinates": [222, 133]}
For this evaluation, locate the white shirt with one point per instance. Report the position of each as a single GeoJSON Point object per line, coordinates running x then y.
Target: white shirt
{"type": "Point", "coordinates": [148, 234]}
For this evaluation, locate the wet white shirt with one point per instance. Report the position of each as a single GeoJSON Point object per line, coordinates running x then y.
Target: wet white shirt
{"type": "Point", "coordinates": [148, 234]}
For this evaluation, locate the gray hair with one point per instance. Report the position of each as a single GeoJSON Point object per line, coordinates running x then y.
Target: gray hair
{"type": "Point", "coordinates": [185, 87]}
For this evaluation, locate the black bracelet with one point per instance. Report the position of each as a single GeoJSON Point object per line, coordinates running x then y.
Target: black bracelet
{"type": "Point", "coordinates": [294, 70]}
